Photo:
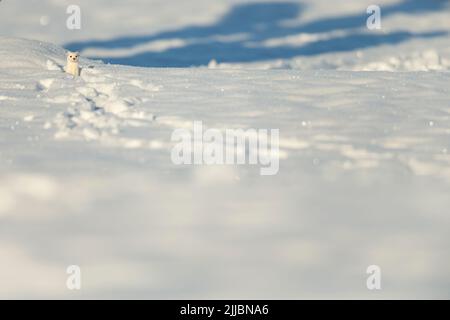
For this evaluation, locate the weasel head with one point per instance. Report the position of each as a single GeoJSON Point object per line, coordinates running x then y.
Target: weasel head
{"type": "Point", "coordinates": [72, 56]}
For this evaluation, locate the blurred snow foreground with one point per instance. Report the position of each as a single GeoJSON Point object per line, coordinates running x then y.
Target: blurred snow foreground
{"type": "Point", "coordinates": [86, 179]}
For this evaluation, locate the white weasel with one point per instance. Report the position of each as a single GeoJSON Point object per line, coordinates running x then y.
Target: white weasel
{"type": "Point", "coordinates": [72, 64]}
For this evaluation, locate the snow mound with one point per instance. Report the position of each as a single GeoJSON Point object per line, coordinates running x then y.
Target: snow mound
{"type": "Point", "coordinates": [429, 60]}
{"type": "Point", "coordinates": [22, 53]}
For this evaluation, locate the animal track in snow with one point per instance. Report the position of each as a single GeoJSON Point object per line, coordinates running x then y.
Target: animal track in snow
{"type": "Point", "coordinates": [53, 66]}
{"type": "Point", "coordinates": [44, 85]}
{"type": "Point", "coordinates": [147, 87]}
{"type": "Point", "coordinates": [99, 112]}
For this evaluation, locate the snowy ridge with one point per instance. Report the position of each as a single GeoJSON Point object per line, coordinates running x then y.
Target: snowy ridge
{"type": "Point", "coordinates": [23, 53]}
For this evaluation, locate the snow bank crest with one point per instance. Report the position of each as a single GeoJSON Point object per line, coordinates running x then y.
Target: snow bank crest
{"type": "Point", "coordinates": [22, 53]}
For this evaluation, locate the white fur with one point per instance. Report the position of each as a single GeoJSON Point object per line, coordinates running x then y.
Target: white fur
{"type": "Point", "coordinates": [72, 64]}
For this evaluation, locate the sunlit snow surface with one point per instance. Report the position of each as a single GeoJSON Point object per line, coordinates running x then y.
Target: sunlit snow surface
{"type": "Point", "coordinates": [86, 176]}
